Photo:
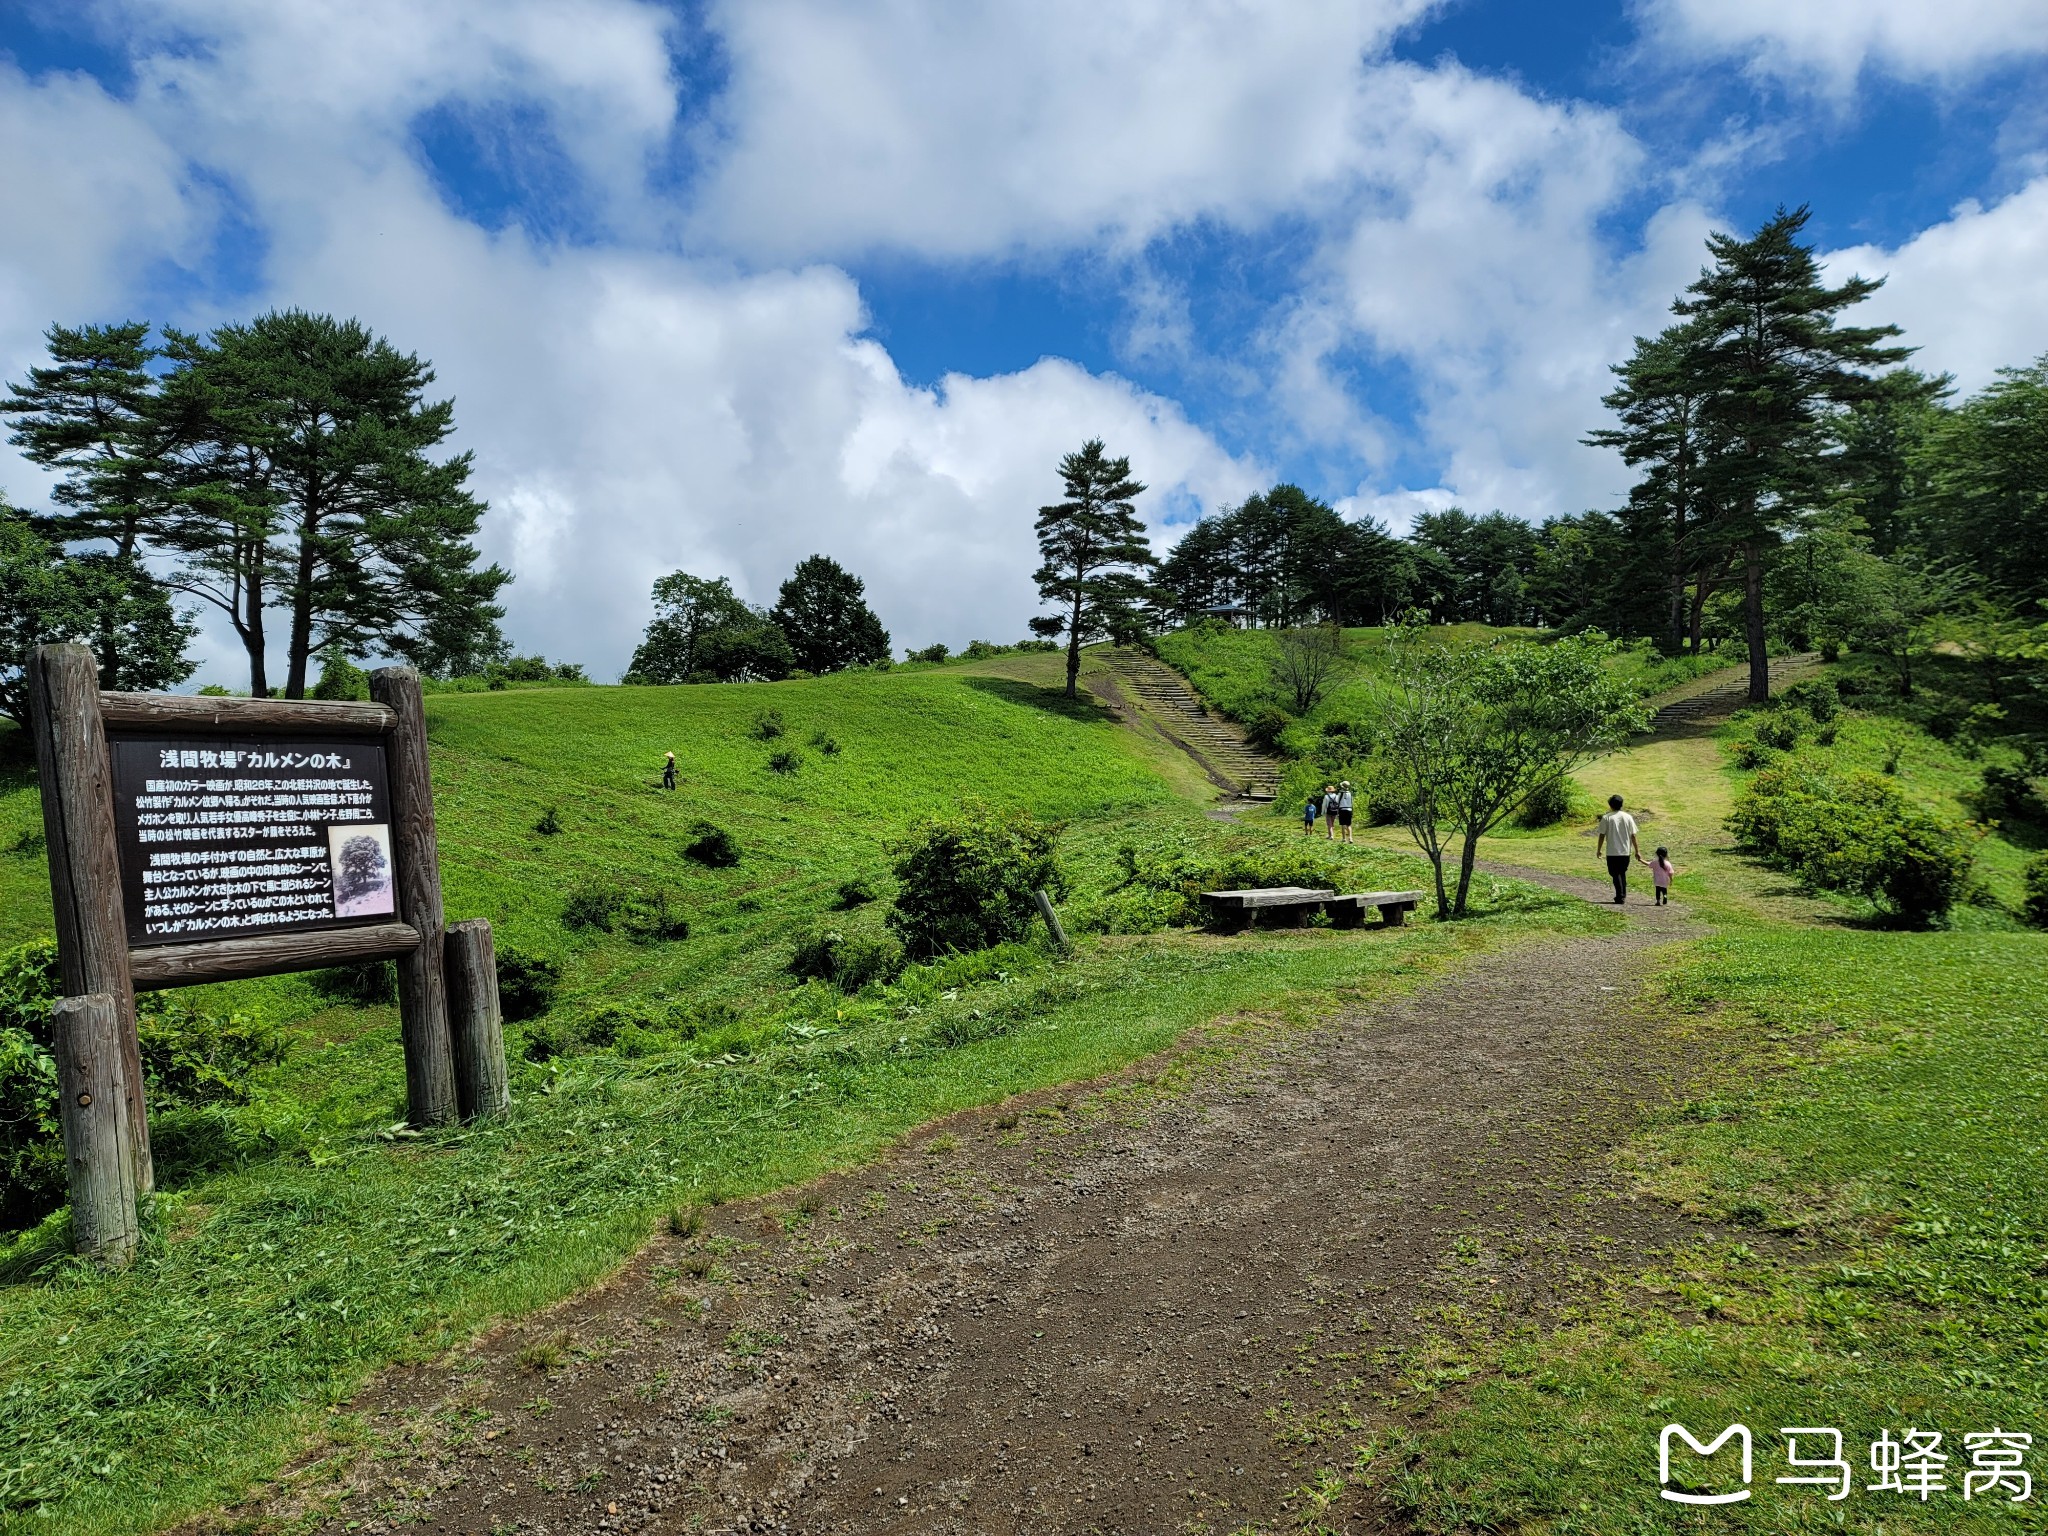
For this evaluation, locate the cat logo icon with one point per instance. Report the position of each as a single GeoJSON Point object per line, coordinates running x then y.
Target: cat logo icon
{"type": "Point", "coordinates": [1680, 1432]}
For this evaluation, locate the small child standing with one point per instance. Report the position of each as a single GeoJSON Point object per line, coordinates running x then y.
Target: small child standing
{"type": "Point", "coordinates": [1309, 812]}
{"type": "Point", "coordinates": [1661, 873]}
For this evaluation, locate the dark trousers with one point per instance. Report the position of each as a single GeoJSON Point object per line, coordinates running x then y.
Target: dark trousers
{"type": "Point", "coordinates": [1617, 869]}
{"type": "Point", "coordinates": [668, 777]}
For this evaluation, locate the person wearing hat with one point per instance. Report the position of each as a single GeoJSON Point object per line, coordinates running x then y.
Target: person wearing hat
{"type": "Point", "coordinates": [1344, 807]}
{"type": "Point", "coordinates": [668, 772]}
{"type": "Point", "coordinates": [1329, 811]}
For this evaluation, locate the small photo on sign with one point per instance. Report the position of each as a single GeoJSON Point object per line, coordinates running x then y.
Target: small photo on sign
{"type": "Point", "coordinates": [360, 853]}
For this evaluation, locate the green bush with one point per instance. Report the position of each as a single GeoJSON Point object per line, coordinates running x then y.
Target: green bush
{"type": "Point", "coordinates": [340, 678]}
{"type": "Point", "coordinates": [767, 725]}
{"type": "Point", "coordinates": [550, 823]}
{"type": "Point", "coordinates": [364, 984]}
{"type": "Point", "coordinates": [787, 760]}
{"type": "Point", "coordinates": [825, 742]}
{"type": "Point", "coordinates": [1777, 729]}
{"type": "Point", "coordinates": [1552, 803]}
{"type": "Point", "coordinates": [1819, 697]}
{"type": "Point", "coordinates": [931, 653]}
{"type": "Point", "coordinates": [1749, 753]}
{"type": "Point", "coordinates": [857, 892]}
{"type": "Point", "coordinates": [192, 1064]}
{"type": "Point", "coordinates": [849, 961]}
{"type": "Point", "coordinates": [1267, 727]}
{"type": "Point", "coordinates": [648, 914]}
{"type": "Point", "coordinates": [711, 846]}
{"type": "Point", "coordinates": [1856, 833]}
{"type": "Point", "coordinates": [2034, 904]}
{"type": "Point", "coordinates": [966, 880]}
{"type": "Point", "coordinates": [1160, 886]}
{"type": "Point", "coordinates": [2008, 794]}
{"type": "Point", "coordinates": [527, 983]}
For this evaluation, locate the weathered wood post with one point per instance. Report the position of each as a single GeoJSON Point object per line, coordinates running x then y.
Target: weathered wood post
{"type": "Point", "coordinates": [1052, 918]}
{"type": "Point", "coordinates": [422, 980]}
{"type": "Point", "coordinates": [77, 787]}
{"type": "Point", "coordinates": [91, 1094]}
{"type": "Point", "coordinates": [476, 1025]}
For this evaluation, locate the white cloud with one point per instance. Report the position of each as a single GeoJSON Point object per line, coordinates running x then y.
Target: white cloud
{"type": "Point", "coordinates": [1970, 292]}
{"type": "Point", "coordinates": [631, 410]}
{"type": "Point", "coordinates": [1830, 43]}
{"type": "Point", "coordinates": [957, 130]}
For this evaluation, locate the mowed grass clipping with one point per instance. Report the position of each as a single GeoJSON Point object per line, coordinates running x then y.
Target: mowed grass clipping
{"type": "Point", "coordinates": [1888, 1267]}
{"type": "Point", "coordinates": [323, 1241]}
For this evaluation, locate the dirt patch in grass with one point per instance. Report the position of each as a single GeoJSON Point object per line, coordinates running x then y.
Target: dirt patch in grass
{"type": "Point", "coordinates": [1178, 1301]}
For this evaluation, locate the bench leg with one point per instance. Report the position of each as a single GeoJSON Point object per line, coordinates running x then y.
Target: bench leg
{"type": "Point", "coordinates": [1346, 914]}
{"type": "Point", "coordinates": [1394, 914]}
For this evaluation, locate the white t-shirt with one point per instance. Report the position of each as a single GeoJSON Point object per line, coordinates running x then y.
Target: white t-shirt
{"type": "Point", "coordinates": [1619, 828]}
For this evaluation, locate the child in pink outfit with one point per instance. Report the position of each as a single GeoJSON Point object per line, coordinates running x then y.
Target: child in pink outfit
{"type": "Point", "coordinates": [1661, 873]}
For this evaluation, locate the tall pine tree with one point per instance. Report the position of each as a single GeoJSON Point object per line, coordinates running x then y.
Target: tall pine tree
{"type": "Point", "coordinates": [1773, 365]}
{"type": "Point", "coordinates": [1093, 549]}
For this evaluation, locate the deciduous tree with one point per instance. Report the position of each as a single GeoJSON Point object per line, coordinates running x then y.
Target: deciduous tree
{"type": "Point", "coordinates": [823, 610]}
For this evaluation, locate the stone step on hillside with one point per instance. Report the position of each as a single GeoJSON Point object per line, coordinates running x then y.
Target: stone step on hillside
{"type": "Point", "coordinates": [1720, 702]}
{"type": "Point", "coordinates": [1164, 694]}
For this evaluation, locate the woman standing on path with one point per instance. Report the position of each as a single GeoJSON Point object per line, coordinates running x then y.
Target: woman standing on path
{"type": "Point", "coordinates": [1330, 812]}
{"type": "Point", "coordinates": [1344, 807]}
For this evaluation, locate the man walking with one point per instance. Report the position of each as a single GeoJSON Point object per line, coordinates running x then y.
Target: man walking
{"type": "Point", "coordinates": [668, 772]}
{"type": "Point", "coordinates": [1617, 840]}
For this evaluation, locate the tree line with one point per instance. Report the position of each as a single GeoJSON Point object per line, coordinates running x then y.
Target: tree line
{"type": "Point", "coordinates": [280, 471]}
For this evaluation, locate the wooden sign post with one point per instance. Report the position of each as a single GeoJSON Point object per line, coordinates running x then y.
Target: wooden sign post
{"type": "Point", "coordinates": [207, 839]}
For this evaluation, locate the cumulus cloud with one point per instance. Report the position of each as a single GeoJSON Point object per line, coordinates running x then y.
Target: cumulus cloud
{"type": "Point", "coordinates": [1832, 42]}
{"type": "Point", "coordinates": [957, 130]}
{"type": "Point", "coordinates": [1970, 292]}
{"type": "Point", "coordinates": [632, 410]}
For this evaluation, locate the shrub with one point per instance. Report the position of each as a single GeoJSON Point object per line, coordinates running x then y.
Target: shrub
{"type": "Point", "coordinates": [711, 846]}
{"type": "Point", "coordinates": [1816, 695]}
{"type": "Point", "coordinates": [527, 983]}
{"type": "Point", "coordinates": [2034, 904]}
{"type": "Point", "coordinates": [1749, 753]}
{"type": "Point", "coordinates": [849, 961]}
{"type": "Point", "coordinates": [966, 880]}
{"type": "Point", "coordinates": [550, 822]}
{"type": "Point", "coordinates": [366, 984]}
{"type": "Point", "coordinates": [2008, 795]}
{"type": "Point", "coordinates": [594, 904]}
{"type": "Point", "coordinates": [1552, 803]}
{"type": "Point", "coordinates": [1777, 729]}
{"type": "Point", "coordinates": [340, 678]}
{"type": "Point", "coordinates": [647, 914]}
{"type": "Point", "coordinates": [787, 760]}
{"type": "Point", "coordinates": [1266, 728]}
{"type": "Point", "coordinates": [1856, 833]}
{"type": "Point", "coordinates": [767, 725]}
{"type": "Point", "coordinates": [827, 744]}
{"type": "Point", "coordinates": [931, 653]}
{"type": "Point", "coordinates": [190, 1061]}
{"type": "Point", "coordinates": [643, 1027]}
{"type": "Point", "coordinates": [857, 892]}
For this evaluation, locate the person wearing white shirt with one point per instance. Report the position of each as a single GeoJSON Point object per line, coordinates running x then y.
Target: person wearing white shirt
{"type": "Point", "coordinates": [1617, 841]}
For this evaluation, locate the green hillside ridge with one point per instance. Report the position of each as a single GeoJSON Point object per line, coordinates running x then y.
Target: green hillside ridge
{"type": "Point", "coordinates": [304, 1239]}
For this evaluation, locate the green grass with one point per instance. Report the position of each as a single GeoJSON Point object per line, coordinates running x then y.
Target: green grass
{"type": "Point", "coordinates": [1891, 1176]}
{"type": "Point", "coordinates": [310, 1240]}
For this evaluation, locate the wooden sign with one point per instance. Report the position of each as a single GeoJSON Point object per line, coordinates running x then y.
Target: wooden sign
{"type": "Point", "coordinates": [208, 839]}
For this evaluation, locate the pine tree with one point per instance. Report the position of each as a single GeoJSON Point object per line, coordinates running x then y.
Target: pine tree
{"type": "Point", "coordinates": [823, 610]}
{"type": "Point", "coordinates": [1772, 364]}
{"type": "Point", "coordinates": [1093, 549]}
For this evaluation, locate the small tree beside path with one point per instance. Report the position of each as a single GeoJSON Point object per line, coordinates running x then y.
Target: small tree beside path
{"type": "Point", "coordinates": [1471, 735]}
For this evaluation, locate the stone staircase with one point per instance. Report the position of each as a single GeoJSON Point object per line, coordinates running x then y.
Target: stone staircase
{"type": "Point", "coordinates": [1724, 699]}
{"type": "Point", "coordinates": [1164, 695]}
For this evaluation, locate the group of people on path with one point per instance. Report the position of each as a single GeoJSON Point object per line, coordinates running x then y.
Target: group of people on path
{"type": "Point", "coordinates": [1334, 806]}
{"type": "Point", "coordinates": [1616, 840]}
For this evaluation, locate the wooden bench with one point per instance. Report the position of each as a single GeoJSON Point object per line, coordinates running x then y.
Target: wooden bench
{"type": "Point", "coordinates": [1349, 911]}
{"type": "Point", "coordinates": [1291, 905]}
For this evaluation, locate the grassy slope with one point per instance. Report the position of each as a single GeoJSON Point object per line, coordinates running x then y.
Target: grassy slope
{"type": "Point", "coordinates": [1876, 1156]}
{"type": "Point", "coordinates": [1884, 1142]}
{"type": "Point", "coordinates": [307, 1245]}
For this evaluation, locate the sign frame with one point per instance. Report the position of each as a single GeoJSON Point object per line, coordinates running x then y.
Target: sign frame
{"type": "Point", "coordinates": [69, 718]}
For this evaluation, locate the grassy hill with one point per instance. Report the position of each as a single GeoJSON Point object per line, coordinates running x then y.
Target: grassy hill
{"type": "Point", "coordinates": [305, 1238]}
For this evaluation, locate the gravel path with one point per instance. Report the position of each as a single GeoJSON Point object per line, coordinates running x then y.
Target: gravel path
{"type": "Point", "coordinates": [1155, 1305]}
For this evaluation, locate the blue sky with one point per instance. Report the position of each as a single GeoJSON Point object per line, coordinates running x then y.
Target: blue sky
{"type": "Point", "coordinates": [716, 286]}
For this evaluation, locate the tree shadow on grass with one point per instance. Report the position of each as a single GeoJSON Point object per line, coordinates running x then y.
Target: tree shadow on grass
{"type": "Point", "coordinates": [1087, 708]}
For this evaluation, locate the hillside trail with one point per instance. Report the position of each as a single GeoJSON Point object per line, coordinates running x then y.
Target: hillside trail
{"type": "Point", "coordinates": [1174, 1300]}
{"type": "Point", "coordinates": [1155, 1303]}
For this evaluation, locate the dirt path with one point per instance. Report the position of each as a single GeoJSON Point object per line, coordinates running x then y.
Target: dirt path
{"type": "Point", "coordinates": [1155, 1306]}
